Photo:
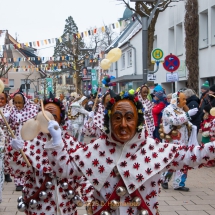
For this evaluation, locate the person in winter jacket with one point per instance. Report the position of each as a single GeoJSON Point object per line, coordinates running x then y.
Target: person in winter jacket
{"type": "Point", "coordinates": [157, 109]}
{"type": "Point", "coordinates": [204, 97]}
{"type": "Point", "coordinates": [193, 102]}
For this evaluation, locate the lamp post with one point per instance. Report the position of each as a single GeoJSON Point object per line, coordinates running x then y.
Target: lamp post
{"type": "Point", "coordinates": [145, 21]}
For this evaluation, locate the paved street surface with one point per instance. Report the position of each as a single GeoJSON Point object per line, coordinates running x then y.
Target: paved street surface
{"type": "Point", "coordinates": [199, 201]}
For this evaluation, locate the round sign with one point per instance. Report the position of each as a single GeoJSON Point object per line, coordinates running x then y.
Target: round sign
{"type": "Point", "coordinates": [157, 54]}
{"type": "Point", "coordinates": [171, 63]}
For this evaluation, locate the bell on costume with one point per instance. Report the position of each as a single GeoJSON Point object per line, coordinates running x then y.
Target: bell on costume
{"type": "Point", "coordinates": [20, 199]}
{"type": "Point", "coordinates": [114, 204]}
{"type": "Point", "coordinates": [105, 213]}
{"type": "Point", "coordinates": [78, 201]}
{"type": "Point", "coordinates": [70, 194]}
{"type": "Point", "coordinates": [33, 203]}
{"type": "Point", "coordinates": [121, 191]}
{"type": "Point", "coordinates": [64, 185]}
{"type": "Point", "coordinates": [43, 195]}
{"type": "Point", "coordinates": [136, 201]}
{"type": "Point", "coordinates": [21, 207]}
{"type": "Point", "coordinates": [49, 184]}
{"type": "Point", "coordinates": [143, 212]}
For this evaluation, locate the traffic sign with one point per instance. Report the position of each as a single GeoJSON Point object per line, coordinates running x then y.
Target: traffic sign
{"type": "Point", "coordinates": [171, 63]}
{"type": "Point", "coordinates": [157, 54]}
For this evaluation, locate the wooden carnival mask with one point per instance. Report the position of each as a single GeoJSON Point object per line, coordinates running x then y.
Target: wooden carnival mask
{"type": "Point", "coordinates": [124, 120]}
{"type": "Point", "coordinates": [3, 99]}
{"type": "Point", "coordinates": [18, 101]}
{"type": "Point", "coordinates": [144, 92]}
{"type": "Point", "coordinates": [107, 99]}
{"type": "Point", "coordinates": [182, 100]}
{"type": "Point", "coordinates": [54, 110]}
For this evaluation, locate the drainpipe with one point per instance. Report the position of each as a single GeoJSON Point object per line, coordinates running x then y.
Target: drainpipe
{"type": "Point", "coordinates": [135, 58]}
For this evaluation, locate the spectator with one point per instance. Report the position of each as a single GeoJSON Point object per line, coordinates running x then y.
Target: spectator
{"type": "Point", "coordinates": [193, 102]}
{"type": "Point", "coordinates": [204, 98]}
{"type": "Point", "coordinates": [157, 109]}
{"type": "Point", "coordinates": [168, 98]}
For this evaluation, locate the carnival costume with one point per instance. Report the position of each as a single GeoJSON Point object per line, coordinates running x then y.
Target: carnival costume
{"type": "Point", "coordinates": [44, 193]}
{"type": "Point", "coordinates": [76, 114]}
{"type": "Point", "coordinates": [16, 121]}
{"type": "Point", "coordinates": [147, 105]}
{"type": "Point", "coordinates": [126, 177]}
{"type": "Point", "coordinates": [2, 148]}
{"type": "Point", "coordinates": [177, 129]}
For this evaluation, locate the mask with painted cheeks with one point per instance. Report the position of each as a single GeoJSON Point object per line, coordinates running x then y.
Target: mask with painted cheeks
{"type": "Point", "coordinates": [18, 101]}
{"type": "Point", "coordinates": [124, 120]}
{"type": "Point", "coordinates": [54, 110]}
{"type": "Point", "coordinates": [3, 99]}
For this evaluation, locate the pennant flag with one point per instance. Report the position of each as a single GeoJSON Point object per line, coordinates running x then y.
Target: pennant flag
{"type": "Point", "coordinates": [49, 41]}
{"type": "Point", "coordinates": [79, 36]}
{"type": "Point", "coordinates": [85, 33]}
{"type": "Point", "coordinates": [45, 41]}
{"type": "Point", "coordinates": [60, 39]}
{"type": "Point", "coordinates": [30, 43]}
{"type": "Point", "coordinates": [113, 26]}
{"type": "Point", "coordinates": [41, 41]}
{"type": "Point", "coordinates": [26, 44]}
{"type": "Point", "coordinates": [38, 43]}
{"type": "Point", "coordinates": [89, 33]}
{"type": "Point", "coordinates": [120, 23]}
{"type": "Point", "coordinates": [95, 31]}
{"type": "Point", "coordinates": [53, 39]}
{"type": "Point", "coordinates": [117, 25]}
{"type": "Point", "coordinates": [34, 43]}
{"type": "Point", "coordinates": [103, 29]}
{"type": "Point", "coordinates": [82, 34]}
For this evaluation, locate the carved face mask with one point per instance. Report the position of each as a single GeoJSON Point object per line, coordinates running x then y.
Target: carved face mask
{"type": "Point", "coordinates": [3, 100]}
{"type": "Point", "coordinates": [18, 101]}
{"type": "Point", "coordinates": [124, 120]}
{"type": "Point", "coordinates": [107, 99]}
{"type": "Point", "coordinates": [144, 92]}
{"type": "Point", "coordinates": [54, 110]}
{"type": "Point", "coordinates": [182, 100]}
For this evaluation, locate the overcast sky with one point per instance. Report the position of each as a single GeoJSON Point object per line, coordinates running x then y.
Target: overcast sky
{"type": "Point", "coordinates": [45, 19]}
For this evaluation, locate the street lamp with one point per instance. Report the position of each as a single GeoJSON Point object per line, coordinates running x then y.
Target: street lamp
{"type": "Point", "coordinates": [145, 21]}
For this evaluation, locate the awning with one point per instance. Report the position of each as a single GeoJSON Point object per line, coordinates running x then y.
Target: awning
{"type": "Point", "coordinates": [128, 78]}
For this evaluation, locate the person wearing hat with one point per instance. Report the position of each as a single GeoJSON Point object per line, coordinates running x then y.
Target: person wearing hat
{"type": "Point", "coordinates": [204, 100]}
{"type": "Point", "coordinates": [157, 109]}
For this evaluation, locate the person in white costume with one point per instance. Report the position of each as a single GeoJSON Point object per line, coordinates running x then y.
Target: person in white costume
{"type": "Point", "coordinates": [2, 147]}
{"type": "Point", "coordinates": [76, 114]}
{"type": "Point", "coordinates": [124, 164]}
{"type": "Point", "coordinates": [179, 130]}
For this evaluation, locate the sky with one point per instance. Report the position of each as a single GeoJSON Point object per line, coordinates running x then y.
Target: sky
{"type": "Point", "coordinates": [44, 19]}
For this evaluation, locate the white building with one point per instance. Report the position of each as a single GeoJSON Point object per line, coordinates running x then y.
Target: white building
{"type": "Point", "coordinates": [169, 36]}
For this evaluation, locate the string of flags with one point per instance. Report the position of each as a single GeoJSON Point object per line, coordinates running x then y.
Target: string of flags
{"type": "Point", "coordinates": [87, 33]}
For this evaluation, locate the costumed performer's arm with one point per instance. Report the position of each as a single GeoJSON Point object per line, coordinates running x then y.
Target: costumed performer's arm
{"type": "Point", "coordinates": [61, 159]}
{"type": "Point", "coordinates": [190, 157]}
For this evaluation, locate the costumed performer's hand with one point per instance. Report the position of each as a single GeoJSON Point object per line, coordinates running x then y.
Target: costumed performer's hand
{"type": "Point", "coordinates": [7, 115]}
{"type": "Point", "coordinates": [192, 112]}
{"type": "Point", "coordinates": [56, 134]}
{"type": "Point", "coordinates": [17, 144]}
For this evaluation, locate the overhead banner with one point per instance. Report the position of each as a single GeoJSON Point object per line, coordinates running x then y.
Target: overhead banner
{"type": "Point", "coordinates": [94, 80]}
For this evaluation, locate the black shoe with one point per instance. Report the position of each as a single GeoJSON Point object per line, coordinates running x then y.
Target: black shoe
{"type": "Point", "coordinates": [19, 188]}
{"type": "Point", "coordinates": [7, 178]}
{"type": "Point", "coordinates": [186, 189]}
{"type": "Point", "coordinates": [165, 186]}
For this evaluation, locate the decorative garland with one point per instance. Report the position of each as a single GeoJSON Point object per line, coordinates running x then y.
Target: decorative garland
{"type": "Point", "coordinates": [123, 96]}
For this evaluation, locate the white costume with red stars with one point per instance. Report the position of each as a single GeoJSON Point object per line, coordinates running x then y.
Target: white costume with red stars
{"type": "Point", "coordinates": [95, 127]}
{"type": "Point", "coordinates": [57, 202]}
{"type": "Point", "coordinates": [136, 165]}
{"type": "Point", "coordinates": [147, 105]}
{"type": "Point", "coordinates": [2, 147]}
{"type": "Point", "coordinates": [16, 121]}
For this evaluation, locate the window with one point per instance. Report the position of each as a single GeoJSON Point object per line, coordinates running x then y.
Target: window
{"type": "Point", "coordinates": [59, 80]}
{"type": "Point", "coordinates": [172, 40]}
{"type": "Point", "coordinates": [212, 25]}
{"type": "Point", "coordinates": [129, 58]}
{"type": "Point", "coordinates": [179, 39]}
{"type": "Point", "coordinates": [123, 61]}
{"type": "Point", "coordinates": [11, 82]}
{"type": "Point", "coordinates": [203, 29]}
{"type": "Point", "coordinates": [68, 79]}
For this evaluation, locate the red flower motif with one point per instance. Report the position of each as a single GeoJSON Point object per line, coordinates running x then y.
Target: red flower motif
{"type": "Point", "coordinates": [95, 162]}
{"type": "Point", "coordinates": [147, 159]}
{"type": "Point", "coordinates": [112, 100]}
{"type": "Point", "coordinates": [193, 158]}
{"type": "Point", "coordinates": [126, 173]}
{"type": "Point", "coordinates": [89, 172]}
{"type": "Point", "coordinates": [139, 177]}
{"type": "Point", "coordinates": [136, 166]}
{"type": "Point", "coordinates": [154, 155]}
{"type": "Point", "coordinates": [112, 150]}
{"type": "Point", "coordinates": [136, 99]}
{"type": "Point", "coordinates": [101, 169]}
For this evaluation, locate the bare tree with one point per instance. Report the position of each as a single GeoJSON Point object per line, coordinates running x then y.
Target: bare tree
{"type": "Point", "coordinates": [143, 9]}
{"type": "Point", "coordinates": [191, 25]}
{"type": "Point", "coordinates": [4, 69]}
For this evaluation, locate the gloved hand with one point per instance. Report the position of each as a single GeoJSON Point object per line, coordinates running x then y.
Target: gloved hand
{"type": "Point", "coordinates": [91, 114]}
{"type": "Point", "coordinates": [192, 112]}
{"type": "Point", "coordinates": [17, 144]}
{"type": "Point", "coordinates": [7, 115]}
{"type": "Point", "coordinates": [55, 133]}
